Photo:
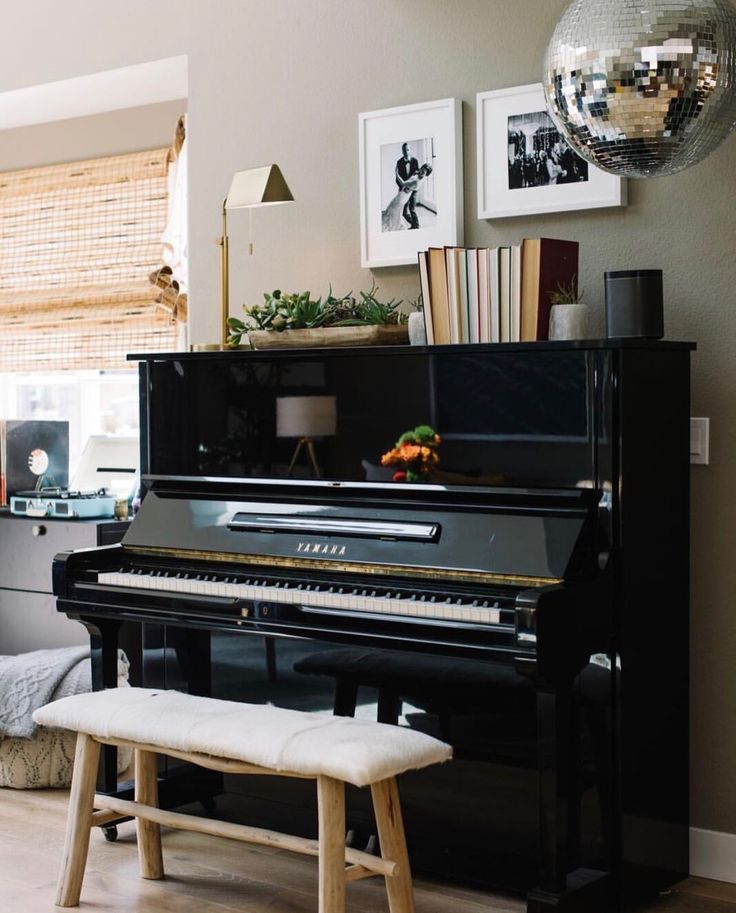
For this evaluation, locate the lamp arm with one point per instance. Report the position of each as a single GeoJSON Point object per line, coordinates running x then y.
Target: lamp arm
{"type": "Point", "coordinates": [224, 277]}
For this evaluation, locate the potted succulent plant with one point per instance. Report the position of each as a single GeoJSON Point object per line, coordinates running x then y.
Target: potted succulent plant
{"type": "Point", "coordinates": [568, 317]}
{"type": "Point", "coordinates": [297, 320]}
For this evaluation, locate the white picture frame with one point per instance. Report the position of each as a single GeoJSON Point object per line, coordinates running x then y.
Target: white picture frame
{"type": "Point", "coordinates": [508, 120]}
{"type": "Point", "coordinates": [433, 132]}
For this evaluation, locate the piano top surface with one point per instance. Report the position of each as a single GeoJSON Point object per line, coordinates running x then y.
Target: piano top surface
{"type": "Point", "coordinates": [546, 345]}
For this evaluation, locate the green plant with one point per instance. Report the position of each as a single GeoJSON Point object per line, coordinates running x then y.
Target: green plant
{"type": "Point", "coordinates": [369, 311]}
{"type": "Point", "coordinates": [282, 311]}
{"type": "Point", "coordinates": [566, 293]}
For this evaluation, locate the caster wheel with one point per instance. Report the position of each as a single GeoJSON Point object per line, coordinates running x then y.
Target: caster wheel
{"type": "Point", "coordinates": [111, 833]}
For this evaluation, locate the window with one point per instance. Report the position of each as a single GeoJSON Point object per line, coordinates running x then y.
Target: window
{"type": "Point", "coordinates": [93, 402]}
{"type": "Point", "coordinates": [78, 243]}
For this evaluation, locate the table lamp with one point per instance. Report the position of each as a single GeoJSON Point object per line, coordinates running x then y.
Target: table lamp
{"type": "Point", "coordinates": [255, 187]}
{"type": "Point", "coordinates": [306, 418]}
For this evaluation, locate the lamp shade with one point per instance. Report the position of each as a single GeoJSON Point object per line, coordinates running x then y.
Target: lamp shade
{"type": "Point", "coordinates": [306, 416]}
{"type": "Point", "coordinates": [258, 187]}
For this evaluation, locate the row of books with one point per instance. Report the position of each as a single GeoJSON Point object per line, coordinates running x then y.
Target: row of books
{"type": "Point", "coordinates": [497, 294]}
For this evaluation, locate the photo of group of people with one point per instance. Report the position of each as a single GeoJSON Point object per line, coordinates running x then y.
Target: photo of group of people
{"type": "Point", "coordinates": [408, 199]}
{"type": "Point", "coordinates": [538, 156]}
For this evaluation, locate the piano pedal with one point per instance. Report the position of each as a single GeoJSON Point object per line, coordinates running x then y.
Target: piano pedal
{"type": "Point", "coordinates": [351, 838]}
{"type": "Point", "coordinates": [110, 832]}
{"type": "Point", "coordinates": [372, 845]}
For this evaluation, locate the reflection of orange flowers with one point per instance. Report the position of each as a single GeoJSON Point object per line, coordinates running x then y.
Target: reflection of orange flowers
{"type": "Point", "coordinates": [411, 453]}
{"type": "Point", "coordinates": [415, 458]}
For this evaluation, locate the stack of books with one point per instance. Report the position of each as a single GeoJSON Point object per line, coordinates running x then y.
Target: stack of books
{"type": "Point", "coordinates": [497, 294]}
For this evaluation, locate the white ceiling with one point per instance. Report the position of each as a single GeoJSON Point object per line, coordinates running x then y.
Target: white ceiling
{"type": "Point", "coordinates": [110, 90]}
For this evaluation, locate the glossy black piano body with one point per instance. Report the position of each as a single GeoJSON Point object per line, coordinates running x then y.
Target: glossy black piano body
{"type": "Point", "coordinates": [542, 570]}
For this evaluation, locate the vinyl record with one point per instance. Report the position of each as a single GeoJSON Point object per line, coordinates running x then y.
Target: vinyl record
{"type": "Point", "coordinates": [36, 455]}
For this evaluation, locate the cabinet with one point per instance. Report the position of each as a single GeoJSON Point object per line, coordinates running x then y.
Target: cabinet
{"type": "Point", "coordinates": [28, 616]}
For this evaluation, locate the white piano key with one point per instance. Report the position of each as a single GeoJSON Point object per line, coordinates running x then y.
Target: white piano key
{"type": "Point", "coordinates": [349, 599]}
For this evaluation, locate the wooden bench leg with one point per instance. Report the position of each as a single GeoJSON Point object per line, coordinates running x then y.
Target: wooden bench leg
{"type": "Point", "coordinates": [150, 857]}
{"type": "Point", "coordinates": [331, 803]}
{"type": "Point", "coordinates": [79, 821]}
{"type": "Point", "coordinates": [387, 809]}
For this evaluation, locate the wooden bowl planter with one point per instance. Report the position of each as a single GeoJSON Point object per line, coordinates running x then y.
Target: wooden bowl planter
{"type": "Point", "coordinates": [324, 337]}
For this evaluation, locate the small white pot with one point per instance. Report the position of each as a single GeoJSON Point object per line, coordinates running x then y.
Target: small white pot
{"type": "Point", "coordinates": [568, 321]}
{"type": "Point", "coordinates": [417, 330]}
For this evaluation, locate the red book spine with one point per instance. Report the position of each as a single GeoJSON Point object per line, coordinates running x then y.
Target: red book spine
{"type": "Point", "coordinates": [558, 266]}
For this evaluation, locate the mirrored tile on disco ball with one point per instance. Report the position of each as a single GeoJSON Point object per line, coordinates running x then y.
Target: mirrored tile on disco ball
{"type": "Point", "coordinates": [643, 92]}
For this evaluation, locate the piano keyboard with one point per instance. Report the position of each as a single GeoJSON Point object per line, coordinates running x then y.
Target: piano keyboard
{"type": "Point", "coordinates": [344, 598]}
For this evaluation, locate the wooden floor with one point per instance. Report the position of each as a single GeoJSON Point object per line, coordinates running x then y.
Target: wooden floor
{"type": "Point", "coordinates": [208, 875]}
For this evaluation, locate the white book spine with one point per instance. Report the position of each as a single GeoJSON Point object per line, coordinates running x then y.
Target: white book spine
{"type": "Point", "coordinates": [516, 293]}
{"type": "Point", "coordinates": [484, 296]}
{"type": "Point", "coordinates": [426, 297]}
{"type": "Point", "coordinates": [462, 267]}
{"type": "Point", "coordinates": [471, 257]}
{"type": "Point", "coordinates": [453, 294]}
{"type": "Point", "coordinates": [505, 293]}
{"type": "Point", "coordinates": [495, 284]}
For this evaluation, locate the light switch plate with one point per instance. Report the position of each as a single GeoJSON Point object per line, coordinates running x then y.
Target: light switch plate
{"type": "Point", "coordinates": [700, 441]}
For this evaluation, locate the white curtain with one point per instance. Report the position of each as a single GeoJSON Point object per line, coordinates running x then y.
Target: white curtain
{"type": "Point", "coordinates": [176, 233]}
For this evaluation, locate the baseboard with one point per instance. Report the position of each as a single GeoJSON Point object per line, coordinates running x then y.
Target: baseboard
{"type": "Point", "coordinates": [713, 855]}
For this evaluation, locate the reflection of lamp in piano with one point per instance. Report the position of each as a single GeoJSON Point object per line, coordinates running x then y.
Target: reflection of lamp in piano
{"type": "Point", "coordinates": [306, 418]}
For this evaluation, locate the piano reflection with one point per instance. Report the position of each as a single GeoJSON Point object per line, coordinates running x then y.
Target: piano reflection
{"type": "Point", "coordinates": [526, 597]}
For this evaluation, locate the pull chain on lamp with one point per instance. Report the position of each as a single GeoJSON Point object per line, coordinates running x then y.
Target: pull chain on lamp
{"type": "Point", "coordinates": [255, 187]}
{"type": "Point", "coordinates": [643, 88]}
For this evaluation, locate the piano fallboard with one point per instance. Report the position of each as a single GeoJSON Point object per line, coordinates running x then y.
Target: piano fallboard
{"type": "Point", "coordinates": [509, 540]}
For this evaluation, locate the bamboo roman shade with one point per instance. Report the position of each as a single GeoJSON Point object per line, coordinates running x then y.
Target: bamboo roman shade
{"type": "Point", "coordinates": [78, 242]}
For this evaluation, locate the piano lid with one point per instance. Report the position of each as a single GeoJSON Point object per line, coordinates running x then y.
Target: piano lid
{"type": "Point", "coordinates": [523, 544]}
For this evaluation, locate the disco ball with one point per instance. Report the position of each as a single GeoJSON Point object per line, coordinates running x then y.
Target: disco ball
{"type": "Point", "coordinates": [643, 88]}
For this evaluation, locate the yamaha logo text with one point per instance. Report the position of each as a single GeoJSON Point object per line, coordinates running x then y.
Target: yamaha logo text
{"type": "Point", "coordinates": [316, 548]}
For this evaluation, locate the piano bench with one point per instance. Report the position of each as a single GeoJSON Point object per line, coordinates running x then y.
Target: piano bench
{"type": "Point", "coordinates": [241, 739]}
{"type": "Point", "coordinates": [437, 684]}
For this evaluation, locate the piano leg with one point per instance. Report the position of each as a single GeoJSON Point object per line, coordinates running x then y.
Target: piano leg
{"type": "Point", "coordinates": [346, 696]}
{"type": "Point", "coordinates": [553, 728]}
{"type": "Point", "coordinates": [269, 644]}
{"type": "Point", "coordinates": [389, 707]}
{"type": "Point", "coordinates": [562, 886]}
{"type": "Point", "coordinates": [194, 655]}
{"type": "Point", "coordinates": [103, 637]}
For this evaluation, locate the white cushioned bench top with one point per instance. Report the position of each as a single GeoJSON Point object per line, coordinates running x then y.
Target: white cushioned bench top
{"type": "Point", "coordinates": [356, 751]}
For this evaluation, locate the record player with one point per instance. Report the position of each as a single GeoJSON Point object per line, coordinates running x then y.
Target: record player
{"type": "Point", "coordinates": [107, 472]}
{"type": "Point", "coordinates": [62, 503]}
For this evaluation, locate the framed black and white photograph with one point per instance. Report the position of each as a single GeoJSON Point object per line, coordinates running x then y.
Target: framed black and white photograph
{"type": "Point", "coordinates": [410, 181]}
{"type": "Point", "coordinates": [526, 167]}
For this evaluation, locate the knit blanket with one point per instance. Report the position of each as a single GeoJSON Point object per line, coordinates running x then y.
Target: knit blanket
{"type": "Point", "coordinates": [27, 682]}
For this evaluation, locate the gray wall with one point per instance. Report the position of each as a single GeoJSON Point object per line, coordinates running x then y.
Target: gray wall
{"type": "Point", "coordinates": [285, 80]}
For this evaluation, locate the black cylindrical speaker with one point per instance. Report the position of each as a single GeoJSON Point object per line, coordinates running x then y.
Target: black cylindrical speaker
{"type": "Point", "coordinates": [635, 303]}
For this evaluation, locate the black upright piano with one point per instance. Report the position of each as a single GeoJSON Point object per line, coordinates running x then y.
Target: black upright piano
{"type": "Point", "coordinates": [527, 600]}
